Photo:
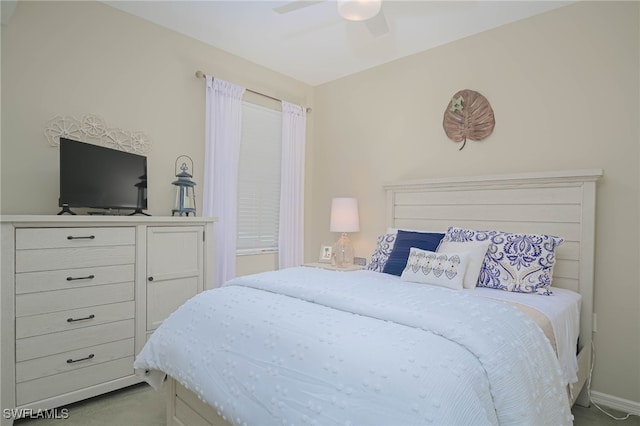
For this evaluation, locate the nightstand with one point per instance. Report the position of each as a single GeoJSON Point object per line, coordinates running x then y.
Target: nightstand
{"type": "Point", "coordinates": [331, 267]}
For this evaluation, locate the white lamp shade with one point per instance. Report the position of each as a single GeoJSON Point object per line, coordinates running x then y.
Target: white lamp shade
{"type": "Point", "coordinates": [344, 215]}
{"type": "Point", "coordinates": [359, 10]}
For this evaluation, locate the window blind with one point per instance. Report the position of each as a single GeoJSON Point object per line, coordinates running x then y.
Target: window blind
{"type": "Point", "coordinates": [259, 179]}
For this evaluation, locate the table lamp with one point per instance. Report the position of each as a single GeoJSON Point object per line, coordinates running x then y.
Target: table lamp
{"type": "Point", "coordinates": [344, 219]}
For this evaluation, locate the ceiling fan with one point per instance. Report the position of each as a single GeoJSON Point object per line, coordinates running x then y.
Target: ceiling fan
{"type": "Point", "coordinates": [367, 11]}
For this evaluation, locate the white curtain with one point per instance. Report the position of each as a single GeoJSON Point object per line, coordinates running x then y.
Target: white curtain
{"type": "Point", "coordinates": [222, 154]}
{"type": "Point", "coordinates": [291, 228]}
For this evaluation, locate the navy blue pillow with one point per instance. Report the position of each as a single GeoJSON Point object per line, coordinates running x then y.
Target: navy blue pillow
{"type": "Point", "coordinates": [404, 241]}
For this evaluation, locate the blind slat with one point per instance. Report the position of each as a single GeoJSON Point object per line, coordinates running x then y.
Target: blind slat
{"type": "Point", "coordinates": [259, 178]}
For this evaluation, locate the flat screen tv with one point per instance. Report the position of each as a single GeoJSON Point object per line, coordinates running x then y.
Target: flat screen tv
{"type": "Point", "coordinates": [94, 176]}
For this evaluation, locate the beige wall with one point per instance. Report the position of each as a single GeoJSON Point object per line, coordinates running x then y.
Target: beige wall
{"type": "Point", "coordinates": [75, 58]}
{"type": "Point", "coordinates": [564, 89]}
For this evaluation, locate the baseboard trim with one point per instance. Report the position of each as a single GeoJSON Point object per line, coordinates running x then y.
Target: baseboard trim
{"type": "Point", "coordinates": [616, 403]}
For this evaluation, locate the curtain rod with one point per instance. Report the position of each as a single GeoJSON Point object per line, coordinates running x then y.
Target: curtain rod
{"type": "Point", "coordinates": [200, 74]}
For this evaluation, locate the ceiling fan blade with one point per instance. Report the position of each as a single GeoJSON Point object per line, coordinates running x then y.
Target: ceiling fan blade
{"type": "Point", "coordinates": [296, 5]}
{"type": "Point", "coordinates": [377, 25]}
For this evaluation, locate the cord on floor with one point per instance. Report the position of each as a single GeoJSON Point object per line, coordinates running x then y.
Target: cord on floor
{"type": "Point", "coordinates": [593, 361]}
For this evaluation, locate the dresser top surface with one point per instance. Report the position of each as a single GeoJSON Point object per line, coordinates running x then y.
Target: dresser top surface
{"type": "Point", "coordinates": [104, 220]}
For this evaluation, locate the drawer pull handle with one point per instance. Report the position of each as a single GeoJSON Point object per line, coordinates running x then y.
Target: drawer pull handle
{"type": "Point", "coordinates": [150, 278]}
{"type": "Point", "coordinates": [88, 277]}
{"type": "Point", "coordinates": [81, 319]}
{"type": "Point", "coordinates": [89, 237]}
{"type": "Point", "coordinates": [71, 361]}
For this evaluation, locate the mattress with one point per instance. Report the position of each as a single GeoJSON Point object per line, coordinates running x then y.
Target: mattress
{"type": "Point", "coordinates": [311, 346]}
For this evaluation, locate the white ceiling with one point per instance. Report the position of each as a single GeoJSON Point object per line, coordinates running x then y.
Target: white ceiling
{"type": "Point", "coordinates": [314, 44]}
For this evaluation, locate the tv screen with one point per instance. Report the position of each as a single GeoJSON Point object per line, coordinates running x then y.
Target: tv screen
{"type": "Point", "coordinates": [98, 177]}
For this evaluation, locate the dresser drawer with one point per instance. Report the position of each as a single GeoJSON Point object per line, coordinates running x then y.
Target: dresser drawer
{"type": "Point", "coordinates": [63, 300]}
{"type": "Point", "coordinates": [70, 381]}
{"type": "Point", "coordinates": [35, 325]}
{"type": "Point", "coordinates": [66, 258]}
{"type": "Point", "coordinates": [37, 238]}
{"type": "Point", "coordinates": [32, 282]}
{"type": "Point", "coordinates": [64, 341]}
{"type": "Point", "coordinates": [73, 360]}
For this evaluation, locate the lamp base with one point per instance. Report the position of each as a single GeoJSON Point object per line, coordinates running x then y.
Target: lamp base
{"type": "Point", "coordinates": [183, 212]}
{"type": "Point", "coordinates": [343, 252]}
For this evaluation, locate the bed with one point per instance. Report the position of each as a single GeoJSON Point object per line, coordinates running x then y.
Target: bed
{"type": "Point", "coordinates": [311, 346]}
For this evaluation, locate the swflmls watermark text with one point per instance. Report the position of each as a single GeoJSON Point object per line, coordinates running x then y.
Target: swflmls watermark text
{"type": "Point", "coordinates": [36, 413]}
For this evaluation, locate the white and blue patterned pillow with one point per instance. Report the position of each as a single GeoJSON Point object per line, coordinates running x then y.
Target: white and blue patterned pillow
{"type": "Point", "coordinates": [514, 262]}
{"type": "Point", "coordinates": [441, 269]}
{"type": "Point", "coordinates": [381, 254]}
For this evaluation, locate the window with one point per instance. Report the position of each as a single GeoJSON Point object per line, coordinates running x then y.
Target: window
{"type": "Point", "coordinates": [259, 179]}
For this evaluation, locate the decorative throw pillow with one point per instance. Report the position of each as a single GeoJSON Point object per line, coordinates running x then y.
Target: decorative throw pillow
{"type": "Point", "coordinates": [404, 241]}
{"type": "Point", "coordinates": [443, 269]}
{"type": "Point", "coordinates": [395, 230]}
{"type": "Point", "coordinates": [476, 250]}
{"type": "Point", "coordinates": [383, 249]}
{"type": "Point", "coordinates": [514, 262]}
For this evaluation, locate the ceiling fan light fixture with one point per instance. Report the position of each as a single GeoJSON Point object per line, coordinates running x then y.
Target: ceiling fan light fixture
{"type": "Point", "coordinates": [359, 10]}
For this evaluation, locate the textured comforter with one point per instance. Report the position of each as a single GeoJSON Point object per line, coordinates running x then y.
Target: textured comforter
{"type": "Point", "coordinates": [310, 346]}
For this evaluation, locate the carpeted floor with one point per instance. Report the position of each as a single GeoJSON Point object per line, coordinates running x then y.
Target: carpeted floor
{"type": "Point", "coordinates": [140, 405]}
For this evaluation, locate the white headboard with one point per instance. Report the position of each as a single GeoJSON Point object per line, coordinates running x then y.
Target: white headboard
{"type": "Point", "coordinates": [557, 203]}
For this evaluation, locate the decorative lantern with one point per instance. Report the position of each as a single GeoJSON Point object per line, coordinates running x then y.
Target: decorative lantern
{"type": "Point", "coordinates": [185, 200]}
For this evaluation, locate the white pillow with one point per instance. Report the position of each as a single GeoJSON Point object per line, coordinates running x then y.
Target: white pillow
{"type": "Point", "coordinates": [442, 269]}
{"type": "Point", "coordinates": [476, 250]}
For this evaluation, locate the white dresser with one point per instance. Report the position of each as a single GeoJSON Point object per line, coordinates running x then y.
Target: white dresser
{"type": "Point", "coordinates": [81, 294]}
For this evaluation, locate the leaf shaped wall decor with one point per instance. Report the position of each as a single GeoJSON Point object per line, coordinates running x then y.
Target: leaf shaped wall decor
{"type": "Point", "coordinates": [468, 116]}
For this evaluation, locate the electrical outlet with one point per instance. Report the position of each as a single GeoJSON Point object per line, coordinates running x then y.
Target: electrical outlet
{"type": "Point", "coordinates": [360, 261]}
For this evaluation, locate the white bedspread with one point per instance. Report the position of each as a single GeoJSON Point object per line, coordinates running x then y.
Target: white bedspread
{"type": "Point", "coordinates": [309, 346]}
{"type": "Point", "coordinates": [563, 310]}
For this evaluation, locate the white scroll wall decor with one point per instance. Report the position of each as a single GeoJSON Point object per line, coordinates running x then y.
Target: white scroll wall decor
{"type": "Point", "coordinates": [92, 128]}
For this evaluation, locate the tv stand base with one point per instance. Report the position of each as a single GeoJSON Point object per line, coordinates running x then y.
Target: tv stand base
{"type": "Point", "coordinates": [66, 209]}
